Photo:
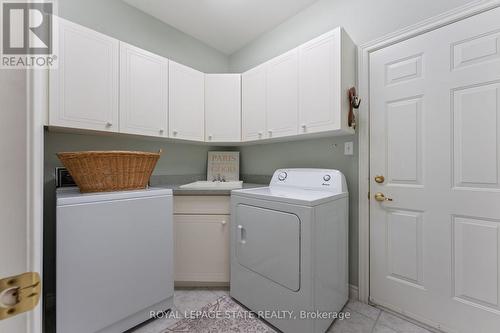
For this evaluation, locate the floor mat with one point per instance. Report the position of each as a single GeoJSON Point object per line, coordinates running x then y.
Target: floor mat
{"type": "Point", "coordinates": [223, 315]}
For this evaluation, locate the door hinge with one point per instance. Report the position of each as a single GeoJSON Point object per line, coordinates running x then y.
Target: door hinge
{"type": "Point", "coordinates": [18, 294]}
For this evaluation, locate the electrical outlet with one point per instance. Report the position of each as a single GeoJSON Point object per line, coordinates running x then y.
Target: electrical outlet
{"type": "Point", "coordinates": [349, 148]}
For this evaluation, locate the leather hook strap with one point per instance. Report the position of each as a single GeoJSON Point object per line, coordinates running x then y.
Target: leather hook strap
{"type": "Point", "coordinates": [354, 102]}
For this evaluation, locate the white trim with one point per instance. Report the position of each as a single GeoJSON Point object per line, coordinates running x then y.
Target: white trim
{"type": "Point", "coordinates": [36, 108]}
{"type": "Point", "coordinates": [364, 52]}
{"type": "Point", "coordinates": [353, 292]}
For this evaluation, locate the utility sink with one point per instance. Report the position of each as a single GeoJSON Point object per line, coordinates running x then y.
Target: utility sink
{"type": "Point", "coordinates": [209, 185]}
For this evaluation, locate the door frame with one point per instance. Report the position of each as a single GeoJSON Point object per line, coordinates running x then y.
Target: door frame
{"type": "Point", "coordinates": [37, 106]}
{"type": "Point", "coordinates": [364, 52]}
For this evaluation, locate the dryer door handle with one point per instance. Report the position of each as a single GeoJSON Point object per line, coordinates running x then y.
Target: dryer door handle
{"type": "Point", "coordinates": [242, 234]}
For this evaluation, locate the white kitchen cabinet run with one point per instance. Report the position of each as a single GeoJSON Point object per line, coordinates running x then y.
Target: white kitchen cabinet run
{"type": "Point", "coordinates": [122, 88]}
{"type": "Point", "coordinates": [253, 103]}
{"type": "Point", "coordinates": [223, 107]}
{"type": "Point", "coordinates": [83, 89]}
{"type": "Point", "coordinates": [303, 91]}
{"type": "Point", "coordinates": [186, 103]}
{"type": "Point", "coordinates": [143, 92]}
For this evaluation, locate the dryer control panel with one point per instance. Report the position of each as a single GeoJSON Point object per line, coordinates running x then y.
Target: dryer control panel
{"type": "Point", "coordinates": [313, 179]}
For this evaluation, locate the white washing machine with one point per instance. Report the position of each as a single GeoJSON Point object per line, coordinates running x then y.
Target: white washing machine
{"type": "Point", "coordinates": [289, 259]}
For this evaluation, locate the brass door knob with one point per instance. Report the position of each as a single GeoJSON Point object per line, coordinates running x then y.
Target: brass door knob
{"type": "Point", "coordinates": [379, 179]}
{"type": "Point", "coordinates": [379, 196]}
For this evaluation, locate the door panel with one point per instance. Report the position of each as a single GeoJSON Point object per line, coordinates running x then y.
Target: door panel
{"type": "Point", "coordinates": [253, 101]}
{"type": "Point", "coordinates": [186, 103]}
{"type": "Point", "coordinates": [435, 121]}
{"type": "Point", "coordinates": [467, 119]}
{"type": "Point", "coordinates": [84, 89]}
{"type": "Point", "coordinates": [319, 84]}
{"type": "Point", "coordinates": [201, 248]}
{"type": "Point", "coordinates": [223, 107]}
{"type": "Point", "coordinates": [143, 92]}
{"type": "Point", "coordinates": [282, 95]}
{"type": "Point", "coordinates": [258, 233]}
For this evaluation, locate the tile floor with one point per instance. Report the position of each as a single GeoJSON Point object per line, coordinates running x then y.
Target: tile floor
{"type": "Point", "coordinates": [364, 318]}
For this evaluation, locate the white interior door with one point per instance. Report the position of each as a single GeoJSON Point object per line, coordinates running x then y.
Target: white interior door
{"type": "Point", "coordinates": [21, 139]}
{"type": "Point", "coordinates": [435, 137]}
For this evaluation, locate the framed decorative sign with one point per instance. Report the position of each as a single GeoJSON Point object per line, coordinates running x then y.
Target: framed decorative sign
{"type": "Point", "coordinates": [223, 166]}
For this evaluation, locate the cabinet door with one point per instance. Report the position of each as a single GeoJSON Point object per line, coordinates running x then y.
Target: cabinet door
{"type": "Point", "coordinates": [282, 95]}
{"type": "Point", "coordinates": [319, 87]}
{"type": "Point", "coordinates": [84, 88]}
{"type": "Point", "coordinates": [253, 100]}
{"type": "Point", "coordinates": [143, 92]}
{"type": "Point", "coordinates": [223, 107]}
{"type": "Point", "coordinates": [186, 102]}
{"type": "Point", "coordinates": [201, 248]}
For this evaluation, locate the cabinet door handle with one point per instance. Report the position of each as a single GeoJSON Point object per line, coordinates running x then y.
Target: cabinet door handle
{"type": "Point", "coordinates": [223, 222]}
{"type": "Point", "coordinates": [242, 234]}
{"type": "Point", "coordinates": [109, 124]}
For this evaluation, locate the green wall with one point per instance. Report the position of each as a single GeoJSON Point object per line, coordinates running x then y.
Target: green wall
{"type": "Point", "coordinates": [117, 19]}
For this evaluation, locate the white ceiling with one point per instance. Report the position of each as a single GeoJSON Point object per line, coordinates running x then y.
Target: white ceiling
{"type": "Point", "coordinates": [226, 25]}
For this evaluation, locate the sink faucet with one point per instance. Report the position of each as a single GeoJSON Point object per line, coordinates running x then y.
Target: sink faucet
{"type": "Point", "coordinates": [219, 178]}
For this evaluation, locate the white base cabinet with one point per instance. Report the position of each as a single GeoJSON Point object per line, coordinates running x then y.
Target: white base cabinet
{"type": "Point", "coordinates": [201, 240]}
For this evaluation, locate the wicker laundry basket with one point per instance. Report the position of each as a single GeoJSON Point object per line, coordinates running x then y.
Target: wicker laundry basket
{"type": "Point", "coordinates": [106, 171]}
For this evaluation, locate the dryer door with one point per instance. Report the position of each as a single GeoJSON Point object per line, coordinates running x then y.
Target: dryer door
{"type": "Point", "coordinates": [268, 243]}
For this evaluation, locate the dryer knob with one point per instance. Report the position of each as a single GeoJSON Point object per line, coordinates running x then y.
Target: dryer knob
{"type": "Point", "coordinates": [282, 176]}
{"type": "Point", "coordinates": [327, 178]}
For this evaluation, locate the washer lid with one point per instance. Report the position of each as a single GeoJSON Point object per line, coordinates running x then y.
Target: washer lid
{"type": "Point", "coordinates": [72, 196]}
{"type": "Point", "coordinates": [286, 194]}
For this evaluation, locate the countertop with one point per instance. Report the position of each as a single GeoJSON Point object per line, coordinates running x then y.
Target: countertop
{"type": "Point", "coordinates": [186, 191]}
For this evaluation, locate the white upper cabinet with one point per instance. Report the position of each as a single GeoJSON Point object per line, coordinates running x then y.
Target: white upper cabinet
{"type": "Point", "coordinates": [223, 107]}
{"type": "Point", "coordinates": [143, 92]}
{"type": "Point", "coordinates": [186, 103]}
{"type": "Point", "coordinates": [282, 95]}
{"type": "Point", "coordinates": [253, 101]}
{"type": "Point", "coordinates": [102, 84]}
{"type": "Point", "coordinates": [326, 72]}
{"type": "Point", "coordinates": [84, 87]}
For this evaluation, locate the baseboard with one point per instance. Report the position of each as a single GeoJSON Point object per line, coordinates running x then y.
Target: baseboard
{"type": "Point", "coordinates": [196, 284]}
{"type": "Point", "coordinates": [353, 292]}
